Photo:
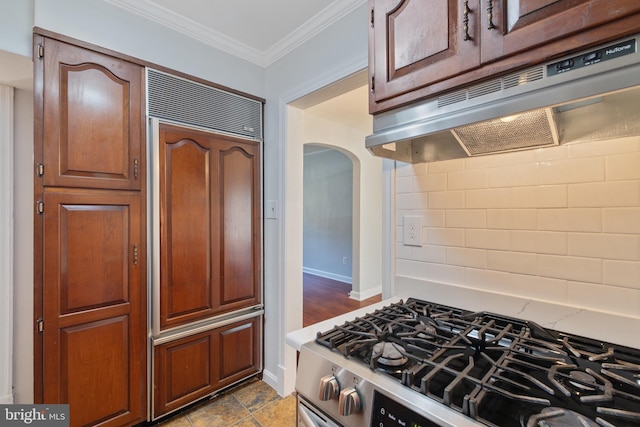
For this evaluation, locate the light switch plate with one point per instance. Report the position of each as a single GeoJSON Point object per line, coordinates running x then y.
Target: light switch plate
{"type": "Point", "coordinates": [412, 230]}
{"type": "Point", "coordinates": [271, 209]}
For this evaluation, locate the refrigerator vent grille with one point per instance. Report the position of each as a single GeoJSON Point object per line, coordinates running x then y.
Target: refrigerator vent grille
{"type": "Point", "coordinates": [184, 101]}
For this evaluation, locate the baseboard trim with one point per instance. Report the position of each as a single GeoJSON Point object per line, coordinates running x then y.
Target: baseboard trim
{"type": "Point", "coordinates": [270, 379]}
{"type": "Point", "coordinates": [361, 296]}
{"type": "Point", "coordinates": [328, 275]}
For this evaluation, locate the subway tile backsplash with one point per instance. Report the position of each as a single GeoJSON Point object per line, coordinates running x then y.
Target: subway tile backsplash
{"type": "Point", "coordinates": [557, 224]}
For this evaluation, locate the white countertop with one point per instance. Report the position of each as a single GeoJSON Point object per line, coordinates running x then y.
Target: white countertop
{"type": "Point", "coordinates": [607, 327]}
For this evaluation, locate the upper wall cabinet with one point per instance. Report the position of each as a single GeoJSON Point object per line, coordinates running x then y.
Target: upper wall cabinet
{"type": "Point", "coordinates": [93, 119]}
{"type": "Point", "coordinates": [417, 51]}
{"type": "Point", "coordinates": [513, 26]}
{"type": "Point", "coordinates": [415, 46]}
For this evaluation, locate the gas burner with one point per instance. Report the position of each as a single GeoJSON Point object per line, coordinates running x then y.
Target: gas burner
{"type": "Point", "coordinates": [588, 385]}
{"type": "Point", "coordinates": [583, 381]}
{"type": "Point", "coordinates": [559, 417]}
{"type": "Point", "coordinates": [389, 354]}
{"type": "Point", "coordinates": [425, 330]}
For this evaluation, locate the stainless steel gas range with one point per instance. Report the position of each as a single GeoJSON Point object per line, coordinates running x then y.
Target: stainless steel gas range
{"type": "Point", "coordinates": [418, 363]}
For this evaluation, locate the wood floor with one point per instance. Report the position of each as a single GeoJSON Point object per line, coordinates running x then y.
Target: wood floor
{"type": "Point", "coordinates": [325, 298]}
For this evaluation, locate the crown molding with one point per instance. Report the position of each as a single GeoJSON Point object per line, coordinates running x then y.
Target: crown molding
{"type": "Point", "coordinates": [318, 23]}
{"type": "Point", "coordinates": [163, 16]}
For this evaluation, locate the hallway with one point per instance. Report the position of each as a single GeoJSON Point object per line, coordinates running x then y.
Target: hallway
{"type": "Point", "coordinates": [325, 298]}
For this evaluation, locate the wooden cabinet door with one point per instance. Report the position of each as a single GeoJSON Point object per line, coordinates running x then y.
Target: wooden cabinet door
{"type": "Point", "coordinates": [238, 351]}
{"type": "Point", "coordinates": [520, 25]}
{"type": "Point", "coordinates": [93, 119]}
{"type": "Point", "coordinates": [195, 366]}
{"type": "Point", "coordinates": [209, 225]}
{"type": "Point", "coordinates": [413, 45]}
{"type": "Point", "coordinates": [94, 335]}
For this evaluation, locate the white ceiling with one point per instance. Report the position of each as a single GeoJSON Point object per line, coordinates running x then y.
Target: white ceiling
{"type": "Point", "coordinates": [260, 31]}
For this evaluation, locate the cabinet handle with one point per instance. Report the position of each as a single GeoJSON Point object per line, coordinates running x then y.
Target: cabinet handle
{"type": "Point", "coordinates": [465, 21]}
{"type": "Point", "coordinates": [490, 15]}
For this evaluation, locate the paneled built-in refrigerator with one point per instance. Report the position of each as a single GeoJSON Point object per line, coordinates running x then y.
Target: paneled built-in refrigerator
{"type": "Point", "coordinates": [205, 227]}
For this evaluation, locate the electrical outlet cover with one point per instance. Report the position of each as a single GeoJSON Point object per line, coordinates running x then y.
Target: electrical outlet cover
{"type": "Point", "coordinates": [412, 230]}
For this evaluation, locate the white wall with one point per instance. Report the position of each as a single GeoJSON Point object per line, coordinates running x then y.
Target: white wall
{"type": "Point", "coordinates": [328, 213]}
{"type": "Point", "coordinates": [23, 247]}
{"type": "Point", "coordinates": [337, 52]}
{"type": "Point", "coordinates": [556, 224]}
{"type": "Point", "coordinates": [6, 242]}
{"type": "Point", "coordinates": [16, 21]}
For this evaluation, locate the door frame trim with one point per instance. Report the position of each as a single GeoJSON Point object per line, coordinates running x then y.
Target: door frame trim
{"type": "Point", "coordinates": [6, 243]}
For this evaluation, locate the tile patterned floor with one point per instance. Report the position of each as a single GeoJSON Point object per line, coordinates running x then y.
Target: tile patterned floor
{"type": "Point", "coordinates": [252, 404]}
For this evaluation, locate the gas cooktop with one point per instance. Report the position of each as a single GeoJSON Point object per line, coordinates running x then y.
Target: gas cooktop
{"type": "Point", "coordinates": [496, 370]}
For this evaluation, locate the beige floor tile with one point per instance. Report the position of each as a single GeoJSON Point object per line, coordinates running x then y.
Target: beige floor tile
{"type": "Point", "coordinates": [247, 422]}
{"type": "Point", "coordinates": [223, 411]}
{"type": "Point", "coordinates": [255, 395]}
{"type": "Point", "coordinates": [281, 413]}
{"type": "Point", "coordinates": [178, 421]}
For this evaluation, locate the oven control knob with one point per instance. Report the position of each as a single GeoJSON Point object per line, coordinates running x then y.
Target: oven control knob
{"type": "Point", "coordinates": [349, 402]}
{"type": "Point", "coordinates": [329, 388]}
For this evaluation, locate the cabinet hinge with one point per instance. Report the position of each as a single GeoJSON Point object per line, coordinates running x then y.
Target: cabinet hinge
{"type": "Point", "coordinates": [371, 19]}
{"type": "Point", "coordinates": [135, 168]}
{"type": "Point", "coordinates": [40, 325]}
{"type": "Point", "coordinates": [39, 207]}
{"type": "Point", "coordinates": [40, 170]}
{"type": "Point", "coordinates": [135, 254]}
{"type": "Point", "coordinates": [40, 51]}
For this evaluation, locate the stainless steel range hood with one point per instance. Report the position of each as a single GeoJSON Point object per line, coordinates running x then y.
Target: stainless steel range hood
{"type": "Point", "coordinates": [591, 95]}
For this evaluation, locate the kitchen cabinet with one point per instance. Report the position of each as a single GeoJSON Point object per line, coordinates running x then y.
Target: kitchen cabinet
{"type": "Point", "coordinates": [519, 25]}
{"type": "Point", "coordinates": [92, 119]}
{"type": "Point", "coordinates": [93, 332]}
{"type": "Point", "coordinates": [210, 225]}
{"type": "Point", "coordinates": [194, 366]}
{"type": "Point", "coordinates": [415, 46]}
{"type": "Point", "coordinates": [90, 270]}
{"type": "Point", "coordinates": [417, 52]}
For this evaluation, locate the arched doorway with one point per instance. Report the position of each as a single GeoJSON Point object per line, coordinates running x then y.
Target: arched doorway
{"type": "Point", "coordinates": [331, 182]}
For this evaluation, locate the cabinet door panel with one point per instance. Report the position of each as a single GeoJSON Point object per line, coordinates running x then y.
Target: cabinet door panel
{"type": "Point", "coordinates": [209, 225]}
{"type": "Point", "coordinates": [238, 351]}
{"type": "Point", "coordinates": [415, 46]}
{"type": "Point", "coordinates": [102, 254]}
{"type": "Point", "coordinates": [521, 25]}
{"type": "Point", "coordinates": [238, 193]}
{"type": "Point", "coordinates": [183, 372]}
{"type": "Point", "coordinates": [94, 330]}
{"type": "Point", "coordinates": [193, 367]}
{"type": "Point", "coordinates": [187, 263]}
{"type": "Point", "coordinates": [94, 366]}
{"type": "Point", "coordinates": [92, 119]}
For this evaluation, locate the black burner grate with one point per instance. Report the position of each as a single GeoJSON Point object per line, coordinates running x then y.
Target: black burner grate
{"type": "Point", "coordinates": [498, 370]}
